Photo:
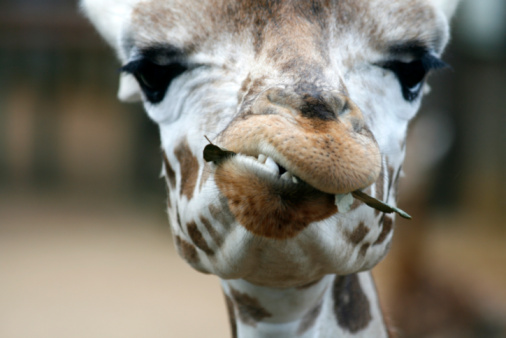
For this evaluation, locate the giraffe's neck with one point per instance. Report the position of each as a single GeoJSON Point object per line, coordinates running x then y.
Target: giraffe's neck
{"type": "Point", "coordinates": [335, 306]}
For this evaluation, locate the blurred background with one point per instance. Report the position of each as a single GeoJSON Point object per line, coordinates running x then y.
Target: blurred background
{"type": "Point", "coordinates": [85, 247]}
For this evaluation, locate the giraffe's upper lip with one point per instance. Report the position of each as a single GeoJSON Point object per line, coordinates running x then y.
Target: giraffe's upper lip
{"type": "Point", "coordinates": [330, 156]}
{"type": "Point", "coordinates": [263, 165]}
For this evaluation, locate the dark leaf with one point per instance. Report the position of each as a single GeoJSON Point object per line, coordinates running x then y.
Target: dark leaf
{"type": "Point", "coordinates": [216, 154]}
{"type": "Point", "coordinates": [378, 205]}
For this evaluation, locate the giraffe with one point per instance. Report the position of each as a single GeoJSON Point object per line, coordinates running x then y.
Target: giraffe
{"type": "Point", "coordinates": [309, 101]}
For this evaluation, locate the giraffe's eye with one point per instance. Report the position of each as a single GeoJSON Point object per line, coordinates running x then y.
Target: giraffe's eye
{"type": "Point", "coordinates": [412, 74]}
{"type": "Point", "coordinates": [154, 79]}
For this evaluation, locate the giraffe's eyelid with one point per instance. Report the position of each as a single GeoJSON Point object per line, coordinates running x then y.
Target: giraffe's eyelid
{"type": "Point", "coordinates": [411, 74]}
{"type": "Point", "coordinates": [154, 79]}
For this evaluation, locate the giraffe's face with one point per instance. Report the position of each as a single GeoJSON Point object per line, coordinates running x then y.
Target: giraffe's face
{"type": "Point", "coordinates": [314, 96]}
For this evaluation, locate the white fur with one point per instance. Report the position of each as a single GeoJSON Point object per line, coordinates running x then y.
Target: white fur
{"type": "Point", "coordinates": [204, 100]}
{"type": "Point", "coordinates": [111, 18]}
{"type": "Point", "coordinates": [448, 7]}
{"type": "Point", "coordinates": [129, 89]}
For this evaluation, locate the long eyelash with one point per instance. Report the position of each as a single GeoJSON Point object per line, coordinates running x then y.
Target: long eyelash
{"type": "Point", "coordinates": [131, 67]}
{"type": "Point", "coordinates": [430, 62]}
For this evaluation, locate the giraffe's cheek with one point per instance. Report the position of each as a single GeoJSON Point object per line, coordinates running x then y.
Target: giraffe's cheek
{"type": "Point", "coordinates": [267, 207]}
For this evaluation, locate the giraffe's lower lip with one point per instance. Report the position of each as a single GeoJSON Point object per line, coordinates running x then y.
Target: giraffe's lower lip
{"type": "Point", "coordinates": [289, 187]}
{"type": "Point", "coordinates": [265, 203]}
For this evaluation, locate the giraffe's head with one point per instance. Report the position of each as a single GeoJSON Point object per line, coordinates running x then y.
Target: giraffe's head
{"type": "Point", "coordinates": [315, 98]}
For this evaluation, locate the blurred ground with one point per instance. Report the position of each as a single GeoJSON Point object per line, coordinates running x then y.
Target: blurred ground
{"type": "Point", "coordinates": [73, 266]}
{"type": "Point", "coordinates": [447, 280]}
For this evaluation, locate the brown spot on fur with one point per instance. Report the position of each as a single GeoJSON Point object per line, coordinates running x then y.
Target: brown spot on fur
{"type": "Point", "coordinates": [216, 212]}
{"type": "Point", "coordinates": [244, 85]}
{"type": "Point", "coordinates": [387, 227]}
{"type": "Point", "coordinates": [309, 319]}
{"type": "Point", "coordinates": [187, 250]}
{"type": "Point", "coordinates": [249, 309]}
{"type": "Point", "coordinates": [178, 219]}
{"type": "Point", "coordinates": [351, 306]}
{"type": "Point", "coordinates": [254, 88]}
{"type": "Point", "coordinates": [169, 172]}
{"type": "Point", "coordinates": [231, 316]}
{"type": "Point", "coordinates": [254, 16]}
{"type": "Point", "coordinates": [189, 168]}
{"type": "Point", "coordinates": [358, 234]}
{"type": "Point", "coordinates": [222, 214]}
{"type": "Point", "coordinates": [198, 239]}
{"type": "Point", "coordinates": [218, 240]}
{"type": "Point", "coordinates": [364, 248]}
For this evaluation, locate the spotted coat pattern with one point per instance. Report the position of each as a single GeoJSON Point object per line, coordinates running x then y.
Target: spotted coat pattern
{"type": "Point", "coordinates": [305, 93]}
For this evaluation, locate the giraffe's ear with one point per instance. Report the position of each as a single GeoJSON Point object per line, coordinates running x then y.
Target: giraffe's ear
{"type": "Point", "coordinates": [112, 18]}
{"type": "Point", "coordinates": [448, 7]}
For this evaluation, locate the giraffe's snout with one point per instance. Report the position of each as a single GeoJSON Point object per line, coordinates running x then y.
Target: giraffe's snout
{"type": "Point", "coordinates": [317, 107]}
{"type": "Point", "coordinates": [319, 136]}
{"type": "Point", "coordinates": [323, 105]}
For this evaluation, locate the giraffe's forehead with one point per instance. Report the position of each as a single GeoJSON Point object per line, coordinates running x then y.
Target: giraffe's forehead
{"type": "Point", "coordinates": [265, 25]}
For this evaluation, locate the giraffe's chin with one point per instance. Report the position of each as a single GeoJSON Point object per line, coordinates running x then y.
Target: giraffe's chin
{"type": "Point", "coordinates": [269, 203]}
{"type": "Point", "coordinates": [289, 232]}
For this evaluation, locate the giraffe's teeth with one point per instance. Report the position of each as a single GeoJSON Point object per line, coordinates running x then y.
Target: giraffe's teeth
{"type": "Point", "coordinates": [287, 176]}
{"type": "Point", "coordinates": [343, 202]}
{"type": "Point", "coordinates": [262, 158]}
{"type": "Point", "coordinates": [272, 166]}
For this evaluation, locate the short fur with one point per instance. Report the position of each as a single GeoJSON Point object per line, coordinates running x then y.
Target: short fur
{"type": "Point", "coordinates": [312, 85]}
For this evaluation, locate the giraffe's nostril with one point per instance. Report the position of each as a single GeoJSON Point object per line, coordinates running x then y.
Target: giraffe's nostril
{"type": "Point", "coordinates": [317, 108]}
{"type": "Point", "coordinates": [307, 101]}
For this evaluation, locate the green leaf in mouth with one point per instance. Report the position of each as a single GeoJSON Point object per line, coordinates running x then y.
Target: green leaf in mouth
{"type": "Point", "coordinates": [213, 153]}
{"type": "Point", "coordinates": [378, 205]}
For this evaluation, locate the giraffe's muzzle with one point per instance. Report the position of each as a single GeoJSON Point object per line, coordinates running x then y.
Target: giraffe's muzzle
{"type": "Point", "coordinates": [296, 152]}
{"type": "Point", "coordinates": [319, 137]}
